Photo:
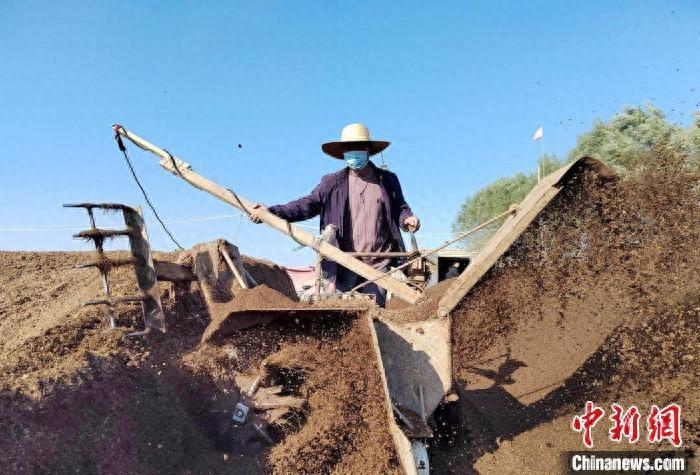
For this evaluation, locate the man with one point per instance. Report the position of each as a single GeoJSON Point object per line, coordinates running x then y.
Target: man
{"type": "Point", "coordinates": [363, 201]}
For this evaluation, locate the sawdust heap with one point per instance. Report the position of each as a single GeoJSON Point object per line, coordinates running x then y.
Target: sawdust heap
{"type": "Point", "coordinates": [76, 395]}
{"type": "Point", "coordinates": [402, 312]}
{"type": "Point", "coordinates": [344, 414]}
{"type": "Point", "coordinates": [46, 332]}
{"type": "Point", "coordinates": [597, 300]}
{"type": "Point", "coordinates": [347, 417]}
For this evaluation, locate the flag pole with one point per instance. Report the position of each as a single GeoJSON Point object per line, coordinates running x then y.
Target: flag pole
{"type": "Point", "coordinates": [540, 164]}
{"type": "Point", "coordinates": [539, 135]}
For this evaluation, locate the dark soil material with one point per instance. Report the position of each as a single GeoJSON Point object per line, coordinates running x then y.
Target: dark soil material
{"type": "Point", "coordinates": [566, 314]}
{"type": "Point", "coordinates": [346, 424]}
{"type": "Point", "coordinates": [77, 396]}
{"type": "Point", "coordinates": [405, 313]}
{"type": "Point", "coordinates": [597, 300]}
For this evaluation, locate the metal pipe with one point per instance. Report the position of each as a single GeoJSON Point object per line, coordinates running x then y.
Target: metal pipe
{"type": "Point", "coordinates": [400, 415]}
{"type": "Point", "coordinates": [512, 210]}
{"type": "Point", "coordinates": [103, 272]}
{"type": "Point", "coordinates": [381, 254]}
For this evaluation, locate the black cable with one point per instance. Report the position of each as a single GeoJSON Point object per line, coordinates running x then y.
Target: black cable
{"type": "Point", "coordinates": [174, 164]}
{"type": "Point", "coordinates": [238, 200]}
{"type": "Point", "coordinates": [122, 148]}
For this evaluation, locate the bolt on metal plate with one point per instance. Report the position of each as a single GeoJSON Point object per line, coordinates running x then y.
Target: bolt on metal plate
{"type": "Point", "coordinates": [240, 413]}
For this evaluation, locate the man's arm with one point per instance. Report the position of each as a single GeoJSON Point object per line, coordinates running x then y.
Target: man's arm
{"type": "Point", "coordinates": [407, 220]}
{"type": "Point", "coordinates": [302, 209]}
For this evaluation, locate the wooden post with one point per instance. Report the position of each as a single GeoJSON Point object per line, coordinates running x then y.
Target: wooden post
{"type": "Point", "coordinates": [235, 265]}
{"type": "Point", "coordinates": [184, 171]}
{"type": "Point", "coordinates": [145, 270]}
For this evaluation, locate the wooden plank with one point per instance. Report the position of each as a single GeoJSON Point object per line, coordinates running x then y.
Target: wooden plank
{"type": "Point", "coordinates": [532, 204]}
{"type": "Point", "coordinates": [171, 272]}
{"type": "Point", "coordinates": [274, 402]}
{"type": "Point", "coordinates": [234, 264]}
{"type": "Point", "coordinates": [416, 355]}
{"type": "Point", "coordinates": [184, 171]}
{"type": "Point", "coordinates": [214, 288]}
{"type": "Point", "coordinates": [401, 442]}
{"type": "Point", "coordinates": [381, 254]}
{"type": "Point", "coordinates": [250, 278]}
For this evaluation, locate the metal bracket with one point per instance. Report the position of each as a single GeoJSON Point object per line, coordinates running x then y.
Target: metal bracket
{"type": "Point", "coordinates": [142, 261]}
{"type": "Point", "coordinates": [240, 413]}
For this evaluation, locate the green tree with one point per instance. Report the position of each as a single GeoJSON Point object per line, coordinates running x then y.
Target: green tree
{"type": "Point", "coordinates": [632, 132]}
{"type": "Point", "coordinates": [617, 142]}
{"type": "Point", "coordinates": [495, 199]}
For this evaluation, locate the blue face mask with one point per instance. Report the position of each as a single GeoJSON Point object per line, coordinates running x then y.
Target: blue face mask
{"type": "Point", "coordinates": [356, 160]}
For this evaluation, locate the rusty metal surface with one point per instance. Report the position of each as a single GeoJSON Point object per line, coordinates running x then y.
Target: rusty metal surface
{"type": "Point", "coordinates": [97, 233]}
{"type": "Point", "coordinates": [105, 206]}
{"type": "Point", "coordinates": [111, 301]}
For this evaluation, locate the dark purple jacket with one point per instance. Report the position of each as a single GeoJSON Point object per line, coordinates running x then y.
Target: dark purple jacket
{"type": "Point", "coordinates": [330, 200]}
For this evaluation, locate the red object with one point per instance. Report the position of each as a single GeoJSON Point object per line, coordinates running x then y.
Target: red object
{"type": "Point", "coordinates": [626, 423]}
{"type": "Point", "coordinates": [302, 277]}
{"type": "Point", "coordinates": [665, 424]}
{"type": "Point", "coordinates": [585, 422]}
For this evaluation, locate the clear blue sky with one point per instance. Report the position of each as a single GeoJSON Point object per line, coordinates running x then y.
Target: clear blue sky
{"type": "Point", "coordinates": [458, 87]}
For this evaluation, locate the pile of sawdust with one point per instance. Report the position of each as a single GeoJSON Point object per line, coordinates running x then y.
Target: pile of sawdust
{"type": "Point", "coordinates": [47, 335]}
{"type": "Point", "coordinates": [561, 317]}
{"type": "Point", "coordinates": [330, 361]}
{"type": "Point", "coordinates": [597, 300]}
{"type": "Point", "coordinates": [651, 363]}
{"type": "Point", "coordinates": [346, 424]}
{"type": "Point", "coordinates": [76, 395]}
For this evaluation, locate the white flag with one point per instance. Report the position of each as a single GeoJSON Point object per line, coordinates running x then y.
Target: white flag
{"type": "Point", "coordinates": [538, 134]}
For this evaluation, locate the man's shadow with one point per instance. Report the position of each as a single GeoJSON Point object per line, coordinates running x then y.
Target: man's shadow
{"type": "Point", "coordinates": [480, 419]}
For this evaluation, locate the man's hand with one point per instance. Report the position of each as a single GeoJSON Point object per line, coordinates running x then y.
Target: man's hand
{"type": "Point", "coordinates": [255, 213]}
{"type": "Point", "coordinates": [412, 223]}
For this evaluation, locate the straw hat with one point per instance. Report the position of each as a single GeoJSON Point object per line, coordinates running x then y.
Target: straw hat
{"type": "Point", "coordinates": [353, 134]}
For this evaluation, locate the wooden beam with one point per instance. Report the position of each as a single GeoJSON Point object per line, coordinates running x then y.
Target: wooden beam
{"type": "Point", "coordinates": [382, 254]}
{"type": "Point", "coordinates": [145, 271]}
{"type": "Point", "coordinates": [235, 265]}
{"type": "Point", "coordinates": [171, 272]}
{"type": "Point", "coordinates": [184, 171]}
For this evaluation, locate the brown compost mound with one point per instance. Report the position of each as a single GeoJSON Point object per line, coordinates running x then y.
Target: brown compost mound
{"type": "Point", "coordinates": [346, 425]}
{"type": "Point", "coordinates": [596, 300]}
{"type": "Point", "coordinates": [77, 396]}
{"type": "Point", "coordinates": [328, 360]}
{"type": "Point", "coordinates": [46, 332]}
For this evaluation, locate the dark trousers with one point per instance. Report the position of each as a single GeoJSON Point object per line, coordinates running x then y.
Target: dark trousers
{"type": "Point", "coordinates": [346, 280]}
